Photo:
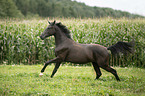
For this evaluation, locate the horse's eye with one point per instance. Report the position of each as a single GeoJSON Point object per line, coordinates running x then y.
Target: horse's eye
{"type": "Point", "coordinates": [49, 27]}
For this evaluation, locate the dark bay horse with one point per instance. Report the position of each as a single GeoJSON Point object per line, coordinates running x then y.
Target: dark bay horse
{"type": "Point", "coordinates": [67, 50]}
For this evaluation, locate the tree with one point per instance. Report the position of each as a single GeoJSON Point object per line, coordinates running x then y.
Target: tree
{"type": "Point", "coordinates": [9, 9]}
{"type": "Point", "coordinates": [23, 5]}
{"type": "Point", "coordinates": [56, 8]}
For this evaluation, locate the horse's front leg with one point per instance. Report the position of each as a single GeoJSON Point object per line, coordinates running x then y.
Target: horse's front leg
{"type": "Point", "coordinates": [55, 69]}
{"type": "Point", "coordinates": [57, 59]}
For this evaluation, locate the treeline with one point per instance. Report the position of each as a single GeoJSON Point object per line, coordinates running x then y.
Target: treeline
{"type": "Point", "coordinates": [56, 8]}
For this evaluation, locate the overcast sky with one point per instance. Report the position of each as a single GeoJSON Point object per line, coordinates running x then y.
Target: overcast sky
{"type": "Point", "coordinates": [132, 6]}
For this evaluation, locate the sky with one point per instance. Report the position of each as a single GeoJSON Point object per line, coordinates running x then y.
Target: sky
{"type": "Point", "coordinates": [132, 6]}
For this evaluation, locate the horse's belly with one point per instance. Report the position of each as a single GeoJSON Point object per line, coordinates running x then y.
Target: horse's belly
{"type": "Point", "coordinates": [79, 61]}
{"type": "Point", "coordinates": [79, 58]}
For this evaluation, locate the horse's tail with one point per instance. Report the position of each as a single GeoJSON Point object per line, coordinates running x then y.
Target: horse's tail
{"type": "Point", "coordinates": [123, 47]}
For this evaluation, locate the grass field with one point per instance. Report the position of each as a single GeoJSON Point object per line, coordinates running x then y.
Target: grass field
{"type": "Point", "coordinates": [20, 44]}
{"type": "Point", "coordinates": [24, 80]}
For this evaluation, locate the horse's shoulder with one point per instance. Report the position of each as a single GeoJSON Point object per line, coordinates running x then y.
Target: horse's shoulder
{"type": "Point", "coordinates": [61, 53]}
{"type": "Point", "coordinates": [61, 49]}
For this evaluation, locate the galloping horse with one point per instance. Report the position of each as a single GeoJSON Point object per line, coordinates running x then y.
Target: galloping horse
{"type": "Point", "coordinates": [67, 50]}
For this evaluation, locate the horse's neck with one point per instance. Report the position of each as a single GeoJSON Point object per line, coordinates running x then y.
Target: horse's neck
{"type": "Point", "coordinates": [60, 38]}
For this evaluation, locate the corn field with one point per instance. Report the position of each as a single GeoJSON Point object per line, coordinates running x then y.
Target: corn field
{"type": "Point", "coordinates": [20, 42]}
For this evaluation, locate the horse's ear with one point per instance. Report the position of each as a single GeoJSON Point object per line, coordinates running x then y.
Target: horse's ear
{"type": "Point", "coordinates": [53, 22]}
{"type": "Point", "coordinates": [49, 22]}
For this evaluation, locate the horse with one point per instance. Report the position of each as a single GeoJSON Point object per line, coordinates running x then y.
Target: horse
{"type": "Point", "coordinates": [67, 50]}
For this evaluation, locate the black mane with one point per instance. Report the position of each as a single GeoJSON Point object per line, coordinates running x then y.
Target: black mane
{"type": "Point", "coordinates": [64, 29]}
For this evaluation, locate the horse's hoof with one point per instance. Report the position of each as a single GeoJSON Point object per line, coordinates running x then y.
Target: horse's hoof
{"type": "Point", "coordinates": [96, 78]}
{"type": "Point", "coordinates": [41, 74]}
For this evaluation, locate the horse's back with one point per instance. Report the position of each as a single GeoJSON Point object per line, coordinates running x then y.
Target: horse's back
{"type": "Point", "coordinates": [97, 48]}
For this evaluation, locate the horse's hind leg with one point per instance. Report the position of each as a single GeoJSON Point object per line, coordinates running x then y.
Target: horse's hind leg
{"type": "Point", "coordinates": [105, 65]}
{"type": "Point", "coordinates": [97, 70]}
{"type": "Point", "coordinates": [113, 71]}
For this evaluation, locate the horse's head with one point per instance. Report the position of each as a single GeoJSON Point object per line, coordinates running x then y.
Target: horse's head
{"type": "Point", "coordinates": [49, 31]}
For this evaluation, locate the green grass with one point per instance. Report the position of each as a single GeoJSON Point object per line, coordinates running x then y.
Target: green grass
{"type": "Point", "coordinates": [24, 80]}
